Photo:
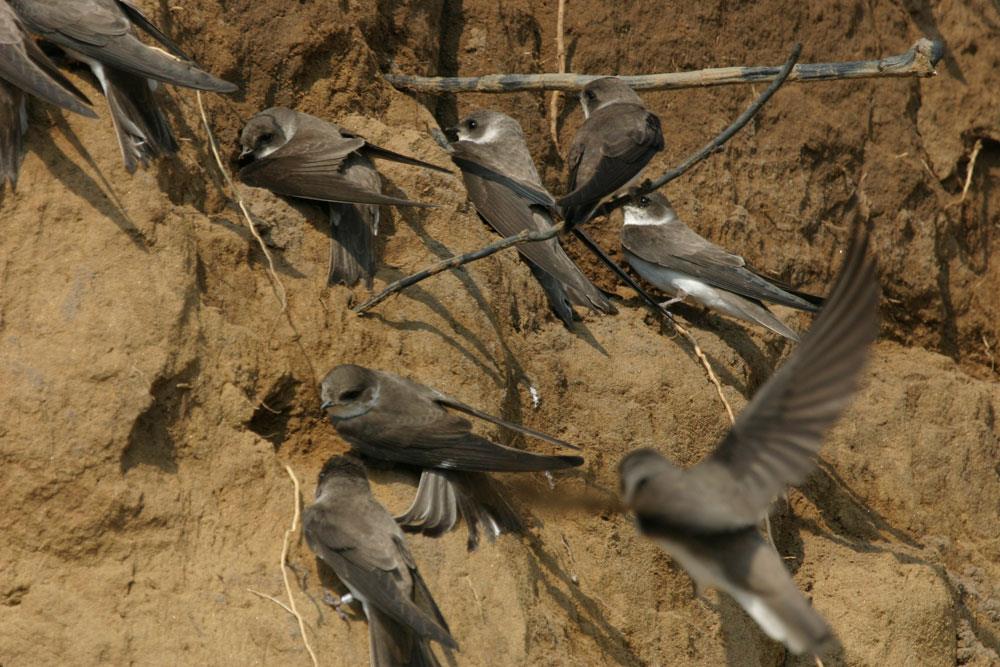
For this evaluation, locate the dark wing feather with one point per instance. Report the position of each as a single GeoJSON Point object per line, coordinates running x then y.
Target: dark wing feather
{"type": "Point", "coordinates": [136, 16]}
{"type": "Point", "coordinates": [314, 177]}
{"type": "Point", "coordinates": [409, 426]}
{"type": "Point", "coordinates": [517, 428]}
{"type": "Point", "coordinates": [100, 29]}
{"type": "Point", "coordinates": [775, 439]}
{"type": "Point", "coordinates": [24, 65]}
{"type": "Point", "coordinates": [12, 129]}
{"type": "Point", "coordinates": [611, 148]}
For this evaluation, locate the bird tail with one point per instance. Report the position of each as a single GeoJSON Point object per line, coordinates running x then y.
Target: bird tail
{"type": "Point", "coordinates": [13, 126]}
{"type": "Point", "coordinates": [753, 311]}
{"type": "Point", "coordinates": [786, 616]}
{"type": "Point", "coordinates": [394, 645]}
{"type": "Point", "coordinates": [477, 497]}
{"type": "Point", "coordinates": [800, 300]}
{"type": "Point", "coordinates": [352, 243]}
{"type": "Point", "coordinates": [555, 291]}
{"type": "Point", "coordinates": [143, 131]}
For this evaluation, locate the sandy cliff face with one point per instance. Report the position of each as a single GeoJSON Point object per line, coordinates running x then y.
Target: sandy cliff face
{"type": "Point", "coordinates": [151, 388]}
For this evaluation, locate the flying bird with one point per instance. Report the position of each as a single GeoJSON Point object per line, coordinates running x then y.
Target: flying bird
{"type": "Point", "coordinates": [505, 188]}
{"type": "Point", "coordinates": [389, 418]}
{"type": "Point", "coordinates": [359, 540]}
{"type": "Point", "coordinates": [706, 517]}
{"type": "Point", "coordinates": [315, 164]}
{"type": "Point", "coordinates": [99, 33]}
{"type": "Point", "coordinates": [669, 255]}
{"type": "Point", "coordinates": [615, 143]}
{"type": "Point", "coordinates": [24, 70]}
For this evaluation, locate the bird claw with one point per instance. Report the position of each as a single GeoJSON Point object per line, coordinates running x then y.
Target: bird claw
{"type": "Point", "coordinates": [338, 603]}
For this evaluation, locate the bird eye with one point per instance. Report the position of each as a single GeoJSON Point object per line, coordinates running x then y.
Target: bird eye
{"type": "Point", "coordinates": [265, 138]}
{"type": "Point", "coordinates": [472, 124]}
{"type": "Point", "coordinates": [350, 395]}
{"type": "Point", "coordinates": [590, 95]}
{"type": "Point", "coordinates": [643, 202]}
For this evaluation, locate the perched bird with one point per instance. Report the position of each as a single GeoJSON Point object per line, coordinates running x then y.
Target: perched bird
{"type": "Point", "coordinates": [668, 254]}
{"type": "Point", "coordinates": [614, 144]}
{"type": "Point", "coordinates": [315, 164]}
{"type": "Point", "coordinates": [706, 516]}
{"type": "Point", "coordinates": [25, 69]}
{"type": "Point", "coordinates": [389, 418]}
{"type": "Point", "coordinates": [353, 534]}
{"type": "Point", "coordinates": [99, 33]}
{"type": "Point", "coordinates": [504, 186]}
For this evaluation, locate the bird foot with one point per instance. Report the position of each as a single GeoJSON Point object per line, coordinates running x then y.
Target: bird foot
{"type": "Point", "coordinates": [338, 603]}
{"type": "Point", "coordinates": [670, 302]}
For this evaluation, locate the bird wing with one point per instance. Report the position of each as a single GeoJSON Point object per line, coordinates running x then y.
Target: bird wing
{"type": "Point", "coordinates": [373, 150]}
{"type": "Point", "coordinates": [23, 64]}
{"type": "Point", "coordinates": [409, 425]}
{"type": "Point", "coordinates": [615, 143]}
{"type": "Point", "coordinates": [371, 560]}
{"type": "Point", "coordinates": [101, 30]}
{"type": "Point", "coordinates": [137, 17]}
{"type": "Point", "coordinates": [311, 166]}
{"type": "Point", "coordinates": [775, 439]}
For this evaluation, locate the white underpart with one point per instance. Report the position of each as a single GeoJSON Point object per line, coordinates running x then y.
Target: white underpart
{"type": "Point", "coordinates": [676, 283]}
{"type": "Point", "coordinates": [707, 574]}
{"type": "Point", "coordinates": [766, 619]}
{"type": "Point", "coordinates": [536, 397]}
{"type": "Point", "coordinates": [491, 135]}
{"type": "Point", "coordinates": [493, 527]}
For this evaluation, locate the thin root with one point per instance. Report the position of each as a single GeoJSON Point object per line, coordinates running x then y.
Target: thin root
{"type": "Point", "coordinates": [276, 284]}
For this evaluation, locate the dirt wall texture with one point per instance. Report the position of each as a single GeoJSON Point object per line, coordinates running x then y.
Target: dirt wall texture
{"type": "Point", "coordinates": [151, 388]}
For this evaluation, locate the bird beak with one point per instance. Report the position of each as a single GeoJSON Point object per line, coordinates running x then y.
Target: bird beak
{"type": "Point", "coordinates": [326, 404]}
{"type": "Point", "coordinates": [245, 153]}
{"type": "Point", "coordinates": [451, 133]}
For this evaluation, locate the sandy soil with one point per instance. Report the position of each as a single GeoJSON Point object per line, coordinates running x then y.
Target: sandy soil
{"type": "Point", "coordinates": [151, 389]}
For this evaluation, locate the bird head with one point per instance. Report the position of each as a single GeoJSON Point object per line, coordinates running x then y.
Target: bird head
{"type": "Point", "coordinates": [265, 133]}
{"type": "Point", "coordinates": [340, 470]}
{"type": "Point", "coordinates": [650, 209]}
{"type": "Point", "coordinates": [637, 468]}
{"type": "Point", "coordinates": [484, 126]}
{"type": "Point", "coordinates": [604, 91]}
{"type": "Point", "coordinates": [348, 391]}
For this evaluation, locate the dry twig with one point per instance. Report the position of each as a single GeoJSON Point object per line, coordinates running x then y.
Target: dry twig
{"type": "Point", "coordinates": [561, 59]}
{"type": "Point", "coordinates": [918, 61]}
{"type": "Point", "coordinates": [291, 532]}
{"type": "Point", "coordinates": [276, 284]}
{"type": "Point", "coordinates": [972, 167]}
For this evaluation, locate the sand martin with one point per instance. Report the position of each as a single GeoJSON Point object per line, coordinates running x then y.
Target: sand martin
{"type": "Point", "coordinates": [99, 33]}
{"type": "Point", "coordinates": [616, 141]}
{"type": "Point", "coordinates": [386, 417]}
{"type": "Point", "coordinates": [313, 164]}
{"type": "Point", "coordinates": [355, 535]}
{"type": "Point", "coordinates": [669, 255]}
{"type": "Point", "coordinates": [706, 516]}
{"type": "Point", "coordinates": [505, 188]}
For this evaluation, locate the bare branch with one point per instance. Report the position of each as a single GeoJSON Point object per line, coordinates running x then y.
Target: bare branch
{"type": "Point", "coordinates": [919, 61]}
